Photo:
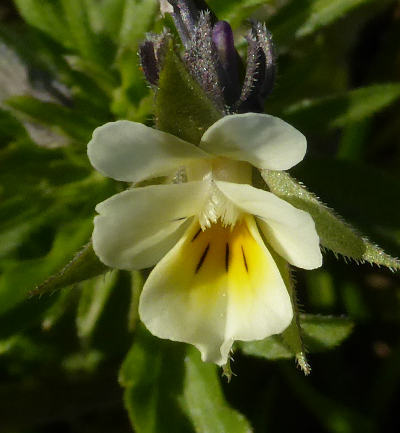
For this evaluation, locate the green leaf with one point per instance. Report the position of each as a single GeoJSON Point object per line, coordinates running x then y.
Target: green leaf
{"type": "Point", "coordinates": [324, 332]}
{"type": "Point", "coordinates": [301, 18]}
{"type": "Point", "coordinates": [66, 300]}
{"type": "Point", "coordinates": [168, 386]}
{"type": "Point", "coordinates": [24, 315]}
{"type": "Point", "coordinates": [103, 314]}
{"type": "Point", "coordinates": [76, 124]}
{"type": "Point", "coordinates": [106, 16]}
{"type": "Point", "coordinates": [136, 289]}
{"type": "Point", "coordinates": [182, 108]}
{"type": "Point", "coordinates": [336, 111]}
{"type": "Point", "coordinates": [84, 39]}
{"type": "Point", "coordinates": [42, 200]}
{"type": "Point", "coordinates": [104, 78]}
{"type": "Point", "coordinates": [152, 375]}
{"type": "Point", "coordinates": [204, 401]}
{"type": "Point", "coordinates": [95, 294]}
{"type": "Point", "coordinates": [36, 168]}
{"type": "Point", "coordinates": [18, 278]}
{"type": "Point", "coordinates": [84, 265]}
{"type": "Point", "coordinates": [45, 15]}
{"type": "Point", "coordinates": [320, 333]}
{"type": "Point", "coordinates": [10, 127]}
{"type": "Point", "coordinates": [138, 17]}
{"type": "Point", "coordinates": [334, 233]}
{"type": "Point", "coordinates": [235, 11]}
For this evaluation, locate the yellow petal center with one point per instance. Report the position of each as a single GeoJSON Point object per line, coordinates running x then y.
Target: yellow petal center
{"type": "Point", "coordinates": [221, 258]}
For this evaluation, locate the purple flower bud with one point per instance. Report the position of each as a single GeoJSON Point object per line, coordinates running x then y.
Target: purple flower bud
{"type": "Point", "coordinates": [222, 37]}
{"type": "Point", "coordinates": [223, 40]}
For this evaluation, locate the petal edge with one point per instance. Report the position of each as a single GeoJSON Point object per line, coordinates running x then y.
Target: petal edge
{"type": "Point", "coordinates": [263, 140]}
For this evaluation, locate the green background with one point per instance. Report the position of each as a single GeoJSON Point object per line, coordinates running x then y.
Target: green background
{"type": "Point", "coordinates": [68, 66]}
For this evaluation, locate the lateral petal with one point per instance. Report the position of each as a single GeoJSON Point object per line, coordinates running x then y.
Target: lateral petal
{"type": "Point", "coordinates": [216, 286]}
{"type": "Point", "coordinates": [290, 231]}
{"type": "Point", "coordinates": [263, 140]}
{"type": "Point", "coordinates": [134, 229]}
{"type": "Point", "coordinates": [131, 152]}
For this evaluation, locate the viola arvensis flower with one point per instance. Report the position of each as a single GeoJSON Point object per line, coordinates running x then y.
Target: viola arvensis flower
{"type": "Point", "coordinates": [210, 233]}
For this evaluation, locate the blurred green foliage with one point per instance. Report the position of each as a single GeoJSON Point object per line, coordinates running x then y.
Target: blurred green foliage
{"type": "Point", "coordinates": [67, 66]}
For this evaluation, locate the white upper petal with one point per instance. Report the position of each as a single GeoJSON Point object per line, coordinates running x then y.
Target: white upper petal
{"type": "Point", "coordinates": [290, 231]}
{"type": "Point", "coordinates": [134, 229]}
{"type": "Point", "coordinates": [200, 294]}
{"type": "Point", "coordinates": [263, 140]}
{"type": "Point", "coordinates": [131, 152]}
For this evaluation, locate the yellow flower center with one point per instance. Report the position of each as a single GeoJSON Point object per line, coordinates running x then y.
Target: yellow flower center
{"type": "Point", "coordinates": [222, 259]}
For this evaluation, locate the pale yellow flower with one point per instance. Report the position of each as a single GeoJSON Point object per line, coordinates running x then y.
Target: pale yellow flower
{"type": "Point", "coordinates": [214, 279]}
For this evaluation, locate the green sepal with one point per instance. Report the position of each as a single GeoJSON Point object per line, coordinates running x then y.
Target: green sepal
{"type": "Point", "coordinates": [334, 233]}
{"type": "Point", "coordinates": [83, 266]}
{"type": "Point", "coordinates": [292, 337]}
{"type": "Point", "coordinates": [182, 108]}
{"type": "Point", "coordinates": [320, 333]}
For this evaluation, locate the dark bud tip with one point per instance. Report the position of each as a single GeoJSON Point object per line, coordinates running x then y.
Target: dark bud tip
{"type": "Point", "coordinates": [149, 62]}
{"type": "Point", "coordinates": [152, 53]}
